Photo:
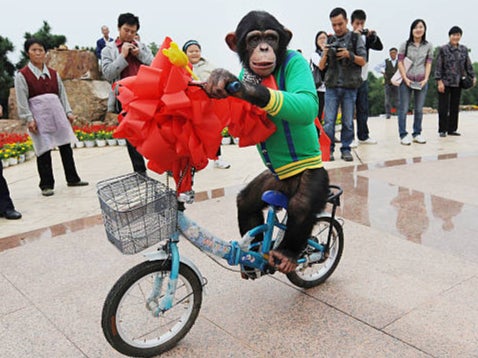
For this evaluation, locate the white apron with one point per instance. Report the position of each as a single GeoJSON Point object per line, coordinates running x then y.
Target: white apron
{"type": "Point", "coordinates": [54, 128]}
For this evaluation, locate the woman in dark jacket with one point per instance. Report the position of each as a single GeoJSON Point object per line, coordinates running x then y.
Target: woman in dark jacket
{"type": "Point", "coordinates": [452, 63]}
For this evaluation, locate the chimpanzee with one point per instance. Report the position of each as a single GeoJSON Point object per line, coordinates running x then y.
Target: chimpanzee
{"type": "Point", "coordinates": [291, 154]}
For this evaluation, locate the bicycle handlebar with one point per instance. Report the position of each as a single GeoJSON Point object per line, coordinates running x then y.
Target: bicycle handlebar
{"type": "Point", "coordinates": [233, 87]}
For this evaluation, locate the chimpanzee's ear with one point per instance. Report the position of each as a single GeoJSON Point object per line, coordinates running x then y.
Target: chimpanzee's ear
{"type": "Point", "coordinates": [231, 40]}
{"type": "Point", "coordinates": [289, 35]}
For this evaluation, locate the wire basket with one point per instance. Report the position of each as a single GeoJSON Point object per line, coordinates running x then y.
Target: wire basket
{"type": "Point", "coordinates": [137, 211]}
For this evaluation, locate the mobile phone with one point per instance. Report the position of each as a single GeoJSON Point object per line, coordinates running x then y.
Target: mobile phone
{"type": "Point", "coordinates": [416, 86]}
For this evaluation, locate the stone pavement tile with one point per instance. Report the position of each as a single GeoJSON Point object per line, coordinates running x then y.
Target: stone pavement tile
{"type": "Point", "coordinates": [10, 298]}
{"type": "Point", "coordinates": [28, 333]}
{"type": "Point", "coordinates": [446, 325]}
{"type": "Point", "coordinates": [206, 339]}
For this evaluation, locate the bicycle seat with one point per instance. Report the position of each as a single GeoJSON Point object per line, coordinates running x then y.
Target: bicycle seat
{"type": "Point", "coordinates": [275, 198]}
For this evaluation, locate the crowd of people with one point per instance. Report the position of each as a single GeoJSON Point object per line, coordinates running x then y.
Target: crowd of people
{"type": "Point", "coordinates": [342, 59]}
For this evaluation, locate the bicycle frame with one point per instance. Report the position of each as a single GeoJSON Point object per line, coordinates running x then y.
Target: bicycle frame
{"type": "Point", "coordinates": [234, 252]}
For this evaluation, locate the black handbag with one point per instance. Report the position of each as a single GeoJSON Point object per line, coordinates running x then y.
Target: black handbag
{"type": "Point", "coordinates": [466, 80]}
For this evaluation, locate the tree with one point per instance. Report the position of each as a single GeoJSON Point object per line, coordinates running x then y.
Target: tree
{"type": "Point", "coordinates": [7, 69]}
{"type": "Point", "coordinates": [153, 46]}
{"type": "Point", "coordinates": [49, 40]}
{"type": "Point", "coordinates": [376, 95]}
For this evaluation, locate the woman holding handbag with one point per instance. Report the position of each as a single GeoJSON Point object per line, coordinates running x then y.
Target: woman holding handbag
{"type": "Point", "coordinates": [415, 80]}
{"type": "Point", "coordinates": [452, 63]}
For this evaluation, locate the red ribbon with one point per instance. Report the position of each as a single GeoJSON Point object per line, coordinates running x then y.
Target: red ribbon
{"type": "Point", "coordinates": [178, 127]}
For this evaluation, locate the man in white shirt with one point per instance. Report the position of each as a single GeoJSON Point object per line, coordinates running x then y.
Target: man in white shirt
{"type": "Point", "coordinates": [388, 68]}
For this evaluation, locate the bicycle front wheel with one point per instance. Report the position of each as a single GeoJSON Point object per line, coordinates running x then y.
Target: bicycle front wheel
{"type": "Point", "coordinates": [128, 321]}
{"type": "Point", "coordinates": [315, 272]}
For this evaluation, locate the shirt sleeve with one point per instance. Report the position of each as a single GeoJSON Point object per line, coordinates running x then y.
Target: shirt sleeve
{"type": "Point", "coordinates": [361, 49]}
{"type": "Point", "coordinates": [439, 64]}
{"type": "Point", "coordinates": [145, 54]}
{"type": "Point", "coordinates": [21, 91]}
{"type": "Point", "coordinates": [401, 52]}
{"type": "Point", "coordinates": [112, 63]}
{"type": "Point", "coordinates": [298, 102]}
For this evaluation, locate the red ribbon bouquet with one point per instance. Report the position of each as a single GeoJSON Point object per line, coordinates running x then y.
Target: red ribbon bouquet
{"type": "Point", "coordinates": [176, 126]}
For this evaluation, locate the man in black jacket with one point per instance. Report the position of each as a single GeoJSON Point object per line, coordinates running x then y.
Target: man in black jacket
{"type": "Point", "coordinates": [372, 41]}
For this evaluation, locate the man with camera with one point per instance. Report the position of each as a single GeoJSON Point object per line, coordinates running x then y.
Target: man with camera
{"type": "Point", "coordinates": [122, 58]}
{"type": "Point", "coordinates": [372, 41]}
{"type": "Point", "coordinates": [343, 58]}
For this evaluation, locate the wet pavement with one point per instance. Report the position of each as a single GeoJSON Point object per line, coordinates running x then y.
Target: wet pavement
{"type": "Point", "coordinates": [406, 286]}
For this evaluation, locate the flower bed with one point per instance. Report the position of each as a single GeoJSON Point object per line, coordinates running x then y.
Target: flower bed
{"type": "Point", "coordinates": [17, 147]}
{"type": "Point", "coordinates": [95, 134]}
{"type": "Point", "coordinates": [14, 148]}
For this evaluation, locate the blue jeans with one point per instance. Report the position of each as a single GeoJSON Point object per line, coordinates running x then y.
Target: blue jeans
{"type": "Point", "coordinates": [345, 98]}
{"type": "Point", "coordinates": [419, 100]}
{"type": "Point", "coordinates": [362, 111]}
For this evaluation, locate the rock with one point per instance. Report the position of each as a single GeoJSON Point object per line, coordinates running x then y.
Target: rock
{"type": "Point", "coordinates": [74, 64]}
{"type": "Point", "coordinates": [12, 126]}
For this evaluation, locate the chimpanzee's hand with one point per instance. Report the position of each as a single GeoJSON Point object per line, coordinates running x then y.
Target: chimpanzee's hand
{"type": "Point", "coordinates": [215, 87]}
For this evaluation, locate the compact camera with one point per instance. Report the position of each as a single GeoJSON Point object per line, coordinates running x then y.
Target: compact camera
{"type": "Point", "coordinates": [364, 32]}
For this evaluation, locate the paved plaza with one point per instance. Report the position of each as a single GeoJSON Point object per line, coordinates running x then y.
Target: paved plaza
{"type": "Point", "coordinates": [407, 285]}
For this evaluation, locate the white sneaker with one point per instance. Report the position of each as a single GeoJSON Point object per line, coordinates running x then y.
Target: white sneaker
{"type": "Point", "coordinates": [407, 140]}
{"type": "Point", "coordinates": [369, 140]}
{"type": "Point", "coordinates": [419, 139]}
{"type": "Point", "coordinates": [354, 144]}
{"type": "Point", "coordinates": [221, 164]}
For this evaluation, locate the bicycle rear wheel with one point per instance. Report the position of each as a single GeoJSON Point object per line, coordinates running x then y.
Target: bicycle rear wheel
{"type": "Point", "coordinates": [316, 272]}
{"type": "Point", "coordinates": [128, 322]}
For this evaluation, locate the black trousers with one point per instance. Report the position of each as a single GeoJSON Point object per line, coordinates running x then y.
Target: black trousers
{"type": "Point", "coordinates": [448, 109]}
{"type": "Point", "coordinates": [137, 159]}
{"type": "Point", "coordinates": [45, 169]}
{"type": "Point", "coordinates": [5, 200]}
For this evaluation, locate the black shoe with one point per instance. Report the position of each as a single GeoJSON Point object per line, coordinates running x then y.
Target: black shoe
{"type": "Point", "coordinates": [347, 156]}
{"type": "Point", "coordinates": [454, 133]}
{"type": "Point", "coordinates": [442, 134]}
{"type": "Point", "coordinates": [11, 214]}
{"type": "Point", "coordinates": [78, 183]}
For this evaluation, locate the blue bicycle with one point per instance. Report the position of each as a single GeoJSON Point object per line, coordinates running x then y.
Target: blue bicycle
{"type": "Point", "coordinates": [154, 304]}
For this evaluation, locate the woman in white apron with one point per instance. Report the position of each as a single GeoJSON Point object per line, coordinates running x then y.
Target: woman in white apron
{"type": "Point", "coordinates": [43, 104]}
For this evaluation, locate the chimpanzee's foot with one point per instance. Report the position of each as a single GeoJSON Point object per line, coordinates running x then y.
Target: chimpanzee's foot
{"type": "Point", "coordinates": [281, 262]}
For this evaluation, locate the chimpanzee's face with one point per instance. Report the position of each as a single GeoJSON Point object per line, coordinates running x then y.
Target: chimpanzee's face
{"type": "Point", "coordinates": [262, 47]}
{"type": "Point", "coordinates": [260, 41]}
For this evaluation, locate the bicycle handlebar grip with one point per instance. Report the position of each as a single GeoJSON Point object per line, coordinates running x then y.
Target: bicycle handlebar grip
{"type": "Point", "coordinates": [233, 87]}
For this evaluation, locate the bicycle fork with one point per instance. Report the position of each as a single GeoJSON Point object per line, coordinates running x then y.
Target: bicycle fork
{"type": "Point", "coordinates": [152, 303]}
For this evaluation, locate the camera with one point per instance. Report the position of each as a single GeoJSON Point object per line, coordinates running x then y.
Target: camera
{"type": "Point", "coordinates": [364, 32]}
{"type": "Point", "coordinates": [336, 45]}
